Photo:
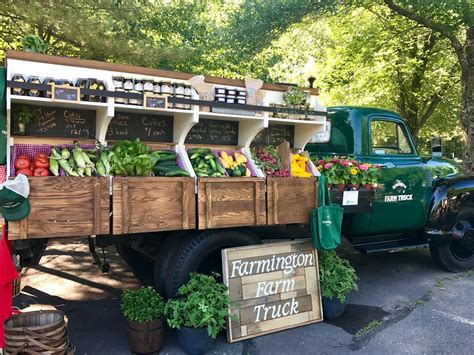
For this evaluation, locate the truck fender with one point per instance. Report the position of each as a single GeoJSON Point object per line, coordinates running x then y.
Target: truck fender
{"type": "Point", "coordinates": [445, 221]}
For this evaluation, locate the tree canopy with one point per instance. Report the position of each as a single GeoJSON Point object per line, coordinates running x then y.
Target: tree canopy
{"type": "Point", "coordinates": [404, 55]}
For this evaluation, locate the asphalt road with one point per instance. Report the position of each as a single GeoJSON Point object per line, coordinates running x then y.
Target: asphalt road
{"type": "Point", "coordinates": [405, 304]}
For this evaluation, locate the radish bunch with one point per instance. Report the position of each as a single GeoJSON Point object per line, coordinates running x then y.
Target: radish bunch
{"type": "Point", "coordinates": [269, 161]}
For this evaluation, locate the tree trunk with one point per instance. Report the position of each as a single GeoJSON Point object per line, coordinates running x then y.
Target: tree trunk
{"type": "Point", "coordinates": [467, 102]}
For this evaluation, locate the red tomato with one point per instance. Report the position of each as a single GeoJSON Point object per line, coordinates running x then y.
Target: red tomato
{"type": "Point", "coordinates": [22, 163]}
{"type": "Point", "coordinates": [23, 157]}
{"type": "Point", "coordinates": [24, 171]}
{"type": "Point", "coordinates": [41, 163]}
{"type": "Point", "coordinates": [41, 156]}
{"type": "Point", "coordinates": [41, 172]}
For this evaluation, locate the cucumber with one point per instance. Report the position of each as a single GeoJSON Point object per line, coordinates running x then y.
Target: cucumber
{"type": "Point", "coordinates": [201, 174]}
{"type": "Point", "coordinates": [213, 164]}
{"type": "Point", "coordinates": [167, 157]}
{"type": "Point", "coordinates": [178, 172]}
{"type": "Point", "coordinates": [220, 168]}
{"type": "Point", "coordinates": [194, 156]}
{"type": "Point", "coordinates": [201, 164]}
{"type": "Point", "coordinates": [199, 150]}
{"type": "Point", "coordinates": [209, 157]}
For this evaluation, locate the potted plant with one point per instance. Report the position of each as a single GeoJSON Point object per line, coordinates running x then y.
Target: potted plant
{"type": "Point", "coordinates": [144, 309]}
{"type": "Point", "coordinates": [22, 120]}
{"type": "Point", "coordinates": [337, 279]}
{"type": "Point", "coordinates": [199, 312]}
{"type": "Point", "coordinates": [295, 98]}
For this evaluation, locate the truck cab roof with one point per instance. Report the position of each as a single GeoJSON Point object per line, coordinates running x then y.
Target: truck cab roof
{"type": "Point", "coordinates": [348, 130]}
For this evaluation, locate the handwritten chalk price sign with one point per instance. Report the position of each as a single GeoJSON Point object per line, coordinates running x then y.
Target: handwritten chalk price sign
{"type": "Point", "coordinates": [155, 102]}
{"type": "Point", "coordinates": [273, 286]}
{"type": "Point", "coordinates": [65, 93]}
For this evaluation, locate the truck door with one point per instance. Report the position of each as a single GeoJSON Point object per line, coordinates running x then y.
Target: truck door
{"type": "Point", "coordinates": [402, 196]}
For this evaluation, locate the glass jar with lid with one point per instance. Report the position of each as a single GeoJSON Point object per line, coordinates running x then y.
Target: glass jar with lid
{"type": "Point", "coordinates": [156, 88]}
{"type": "Point", "coordinates": [20, 79]}
{"type": "Point", "coordinates": [117, 81]}
{"type": "Point", "coordinates": [127, 84]}
{"type": "Point", "coordinates": [48, 81]}
{"type": "Point", "coordinates": [148, 86]}
{"type": "Point", "coordinates": [34, 92]}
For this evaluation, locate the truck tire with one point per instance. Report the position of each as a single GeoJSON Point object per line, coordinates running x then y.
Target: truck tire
{"type": "Point", "coordinates": [201, 252]}
{"type": "Point", "coordinates": [456, 256]}
{"type": "Point", "coordinates": [165, 254]}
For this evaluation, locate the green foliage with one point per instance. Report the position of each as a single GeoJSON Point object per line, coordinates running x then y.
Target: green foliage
{"type": "Point", "coordinates": [142, 305]}
{"type": "Point", "coordinates": [295, 96]}
{"type": "Point", "coordinates": [201, 302]}
{"type": "Point", "coordinates": [337, 276]}
{"type": "Point", "coordinates": [33, 43]}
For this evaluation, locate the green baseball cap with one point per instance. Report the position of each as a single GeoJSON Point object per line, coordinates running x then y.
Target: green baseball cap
{"type": "Point", "coordinates": [14, 198]}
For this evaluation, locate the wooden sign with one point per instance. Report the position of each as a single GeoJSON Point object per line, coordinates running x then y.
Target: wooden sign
{"type": "Point", "coordinates": [275, 286]}
{"type": "Point", "coordinates": [155, 102]}
{"type": "Point", "coordinates": [217, 132]}
{"type": "Point", "coordinates": [56, 121]}
{"type": "Point", "coordinates": [65, 93]}
{"type": "Point", "coordinates": [274, 135]}
{"type": "Point", "coordinates": [149, 128]}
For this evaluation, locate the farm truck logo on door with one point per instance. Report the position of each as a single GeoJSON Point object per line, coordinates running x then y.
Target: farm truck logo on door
{"type": "Point", "coordinates": [399, 188]}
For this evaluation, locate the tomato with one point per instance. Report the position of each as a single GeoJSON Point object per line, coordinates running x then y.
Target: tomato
{"type": "Point", "coordinates": [22, 163]}
{"type": "Point", "coordinates": [41, 172]}
{"type": "Point", "coordinates": [41, 163]}
{"type": "Point", "coordinates": [41, 156]}
{"type": "Point", "coordinates": [23, 157]}
{"type": "Point", "coordinates": [24, 171]}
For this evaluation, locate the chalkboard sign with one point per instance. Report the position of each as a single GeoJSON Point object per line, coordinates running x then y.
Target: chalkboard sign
{"type": "Point", "coordinates": [215, 132]}
{"type": "Point", "coordinates": [55, 121]}
{"type": "Point", "coordinates": [279, 133]}
{"type": "Point", "coordinates": [274, 135]}
{"type": "Point", "coordinates": [149, 128]}
{"type": "Point", "coordinates": [155, 102]}
{"type": "Point", "coordinates": [66, 93]}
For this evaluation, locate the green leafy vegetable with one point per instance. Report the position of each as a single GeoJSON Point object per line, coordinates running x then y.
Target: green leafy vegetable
{"type": "Point", "coordinates": [132, 158]}
{"type": "Point", "coordinates": [337, 276]}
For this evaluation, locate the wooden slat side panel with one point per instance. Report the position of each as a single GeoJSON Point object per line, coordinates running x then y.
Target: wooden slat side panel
{"type": "Point", "coordinates": [290, 200]}
{"type": "Point", "coordinates": [231, 202]}
{"type": "Point", "coordinates": [151, 204]}
{"type": "Point", "coordinates": [64, 207]}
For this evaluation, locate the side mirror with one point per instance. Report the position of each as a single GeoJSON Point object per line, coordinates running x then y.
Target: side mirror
{"type": "Point", "coordinates": [436, 147]}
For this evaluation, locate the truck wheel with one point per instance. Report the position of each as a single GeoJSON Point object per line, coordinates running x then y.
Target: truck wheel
{"type": "Point", "coordinates": [201, 252]}
{"type": "Point", "coordinates": [165, 254]}
{"type": "Point", "coordinates": [458, 255]}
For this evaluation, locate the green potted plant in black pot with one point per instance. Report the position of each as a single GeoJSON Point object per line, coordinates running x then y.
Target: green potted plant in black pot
{"type": "Point", "coordinates": [199, 312]}
{"type": "Point", "coordinates": [337, 279]}
{"type": "Point", "coordinates": [144, 309]}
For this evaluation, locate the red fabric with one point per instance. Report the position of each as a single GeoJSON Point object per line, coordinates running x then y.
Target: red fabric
{"type": "Point", "coordinates": [3, 173]}
{"type": "Point", "coordinates": [7, 275]}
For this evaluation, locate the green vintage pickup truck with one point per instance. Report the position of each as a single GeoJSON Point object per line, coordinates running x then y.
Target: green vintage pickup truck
{"type": "Point", "coordinates": [419, 202]}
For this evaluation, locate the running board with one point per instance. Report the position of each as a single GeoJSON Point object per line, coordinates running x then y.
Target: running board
{"type": "Point", "coordinates": [391, 247]}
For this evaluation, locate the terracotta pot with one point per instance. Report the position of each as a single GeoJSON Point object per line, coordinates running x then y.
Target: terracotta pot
{"type": "Point", "coordinates": [368, 187]}
{"type": "Point", "coordinates": [354, 187]}
{"type": "Point", "coordinates": [341, 187]}
{"type": "Point", "coordinates": [146, 337]}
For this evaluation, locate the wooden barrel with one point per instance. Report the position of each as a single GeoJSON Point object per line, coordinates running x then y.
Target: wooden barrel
{"type": "Point", "coordinates": [37, 332]}
{"type": "Point", "coordinates": [146, 337]}
{"type": "Point", "coordinates": [16, 285]}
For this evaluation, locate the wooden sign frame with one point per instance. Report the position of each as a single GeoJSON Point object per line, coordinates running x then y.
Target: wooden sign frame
{"type": "Point", "coordinates": [268, 280]}
{"type": "Point", "coordinates": [148, 95]}
{"type": "Point", "coordinates": [72, 88]}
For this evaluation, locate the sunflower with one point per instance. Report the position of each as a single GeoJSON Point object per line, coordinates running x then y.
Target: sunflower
{"type": "Point", "coordinates": [353, 171]}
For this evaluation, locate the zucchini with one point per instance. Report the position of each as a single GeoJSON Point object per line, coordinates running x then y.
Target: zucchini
{"type": "Point", "coordinates": [178, 172]}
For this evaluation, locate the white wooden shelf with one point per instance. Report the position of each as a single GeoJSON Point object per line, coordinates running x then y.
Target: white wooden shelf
{"type": "Point", "coordinates": [44, 101]}
{"type": "Point", "coordinates": [229, 117]}
{"type": "Point", "coordinates": [141, 109]}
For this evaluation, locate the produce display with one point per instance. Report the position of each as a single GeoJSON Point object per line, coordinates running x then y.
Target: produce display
{"type": "Point", "coordinates": [79, 162]}
{"type": "Point", "coordinates": [268, 159]}
{"type": "Point", "coordinates": [205, 163]}
{"type": "Point", "coordinates": [298, 166]}
{"type": "Point", "coordinates": [37, 167]}
{"type": "Point", "coordinates": [235, 164]}
{"type": "Point", "coordinates": [167, 165]}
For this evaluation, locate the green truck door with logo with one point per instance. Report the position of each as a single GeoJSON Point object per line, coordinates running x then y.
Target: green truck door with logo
{"type": "Point", "coordinates": [402, 197]}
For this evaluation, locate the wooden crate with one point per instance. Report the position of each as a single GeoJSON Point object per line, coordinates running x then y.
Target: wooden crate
{"type": "Point", "coordinates": [152, 204]}
{"type": "Point", "coordinates": [290, 200]}
{"type": "Point", "coordinates": [64, 207]}
{"type": "Point", "coordinates": [231, 202]}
